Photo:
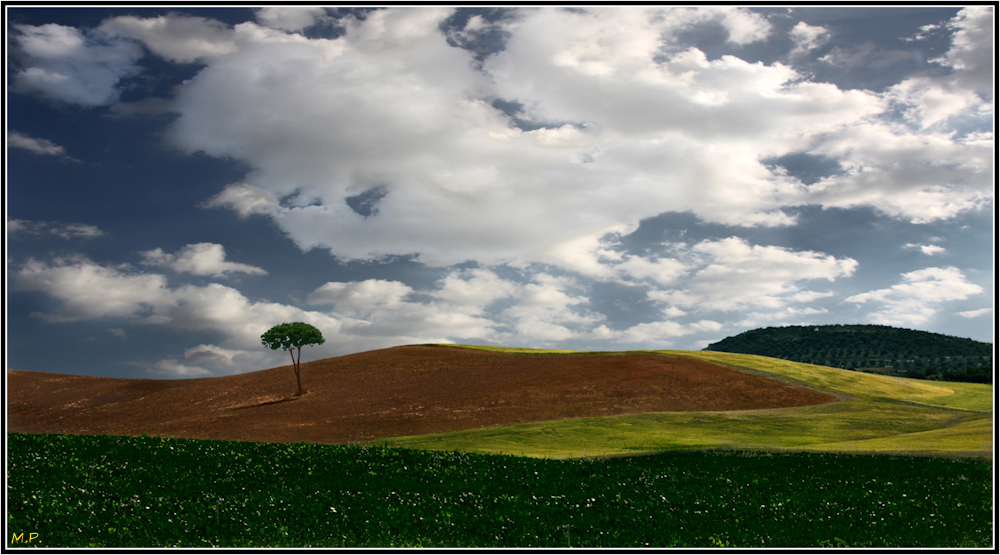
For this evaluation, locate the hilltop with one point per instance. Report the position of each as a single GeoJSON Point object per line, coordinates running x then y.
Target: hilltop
{"type": "Point", "coordinates": [870, 348]}
{"type": "Point", "coordinates": [401, 391]}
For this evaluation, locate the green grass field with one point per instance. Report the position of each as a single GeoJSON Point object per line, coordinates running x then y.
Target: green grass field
{"type": "Point", "coordinates": [877, 414]}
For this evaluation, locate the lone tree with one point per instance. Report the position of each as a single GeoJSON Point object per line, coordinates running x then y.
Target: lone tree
{"type": "Point", "coordinates": [288, 336]}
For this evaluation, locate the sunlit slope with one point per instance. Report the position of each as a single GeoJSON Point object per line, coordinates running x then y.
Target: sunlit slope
{"type": "Point", "coordinates": [878, 414]}
{"type": "Point", "coordinates": [962, 396]}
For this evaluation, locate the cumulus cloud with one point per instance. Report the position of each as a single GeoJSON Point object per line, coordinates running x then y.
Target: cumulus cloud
{"type": "Point", "coordinates": [929, 101]}
{"type": "Point", "coordinates": [390, 139]}
{"type": "Point", "coordinates": [731, 274]}
{"type": "Point", "coordinates": [73, 66]}
{"type": "Point", "coordinates": [808, 37]}
{"type": "Point", "coordinates": [361, 315]}
{"type": "Point", "coordinates": [177, 38]}
{"type": "Point", "coordinates": [545, 310]}
{"type": "Point", "coordinates": [787, 317]}
{"type": "Point", "coordinates": [206, 360]}
{"type": "Point", "coordinates": [623, 134]}
{"type": "Point", "coordinates": [89, 291]}
{"type": "Point", "coordinates": [967, 91]}
{"type": "Point", "coordinates": [244, 200]}
{"type": "Point", "coordinates": [200, 259]}
{"type": "Point", "coordinates": [929, 250]}
{"type": "Point", "coordinates": [917, 177]}
{"type": "Point", "coordinates": [290, 18]}
{"type": "Point", "coordinates": [459, 307]}
{"type": "Point", "coordinates": [361, 298]}
{"type": "Point", "coordinates": [971, 55]}
{"type": "Point", "coordinates": [659, 333]}
{"type": "Point", "coordinates": [617, 122]}
{"type": "Point", "coordinates": [916, 299]}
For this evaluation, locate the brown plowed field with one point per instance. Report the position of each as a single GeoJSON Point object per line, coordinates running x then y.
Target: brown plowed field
{"type": "Point", "coordinates": [406, 390]}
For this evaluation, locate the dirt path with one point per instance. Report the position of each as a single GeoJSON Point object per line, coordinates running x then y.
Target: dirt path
{"type": "Point", "coordinates": [391, 392]}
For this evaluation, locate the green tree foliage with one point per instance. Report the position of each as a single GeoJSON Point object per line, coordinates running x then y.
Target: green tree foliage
{"type": "Point", "coordinates": [292, 336]}
{"type": "Point", "coordinates": [870, 348]}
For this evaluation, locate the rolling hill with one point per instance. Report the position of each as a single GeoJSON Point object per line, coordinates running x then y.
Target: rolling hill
{"type": "Point", "coordinates": [876, 414]}
{"type": "Point", "coordinates": [528, 401]}
{"type": "Point", "coordinates": [870, 348]}
{"type": "Point", "coordinates": [391, 392]}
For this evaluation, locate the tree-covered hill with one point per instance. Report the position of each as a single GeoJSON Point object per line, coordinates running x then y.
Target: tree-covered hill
{"type": "Point", "coordinates": [870, 348]}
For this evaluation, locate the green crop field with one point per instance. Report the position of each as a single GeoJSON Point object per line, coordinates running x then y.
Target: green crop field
{"type": "Point", "coordinates": [877, 414]}
{"type": "Point", "coordinates": [105, 491]}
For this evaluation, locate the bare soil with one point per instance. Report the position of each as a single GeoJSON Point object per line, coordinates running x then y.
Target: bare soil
{"type": "Point", "coordinates": [400, 391]}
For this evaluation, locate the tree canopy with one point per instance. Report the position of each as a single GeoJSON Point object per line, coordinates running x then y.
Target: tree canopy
{"type": "Point", "coordinates": [286, 336]}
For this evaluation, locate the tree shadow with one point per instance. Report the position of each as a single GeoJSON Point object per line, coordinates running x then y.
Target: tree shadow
{"type": "Point", "coordinates": [265, 403]}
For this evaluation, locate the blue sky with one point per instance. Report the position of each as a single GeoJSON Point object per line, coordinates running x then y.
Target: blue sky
{"type": "Point", "coordinates": [181, 179]}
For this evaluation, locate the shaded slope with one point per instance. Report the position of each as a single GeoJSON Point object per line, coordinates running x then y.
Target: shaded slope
{"type": "Point", "coordinates": [392, 392]}
{"type": "Point", "coordinates": [869, 348]}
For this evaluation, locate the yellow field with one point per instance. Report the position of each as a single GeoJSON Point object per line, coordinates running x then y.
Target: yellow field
{"type": "Point", "coordinates": [876, 414]}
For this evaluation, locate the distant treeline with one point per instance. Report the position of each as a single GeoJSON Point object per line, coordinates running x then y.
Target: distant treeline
{"type": "Point", "coordinates": [870, 348]}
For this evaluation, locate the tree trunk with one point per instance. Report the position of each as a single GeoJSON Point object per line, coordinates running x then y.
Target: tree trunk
{"type": "Point", "coordinates": [298, 369]}
{"type": "Point", "coordinates": [295, 368]}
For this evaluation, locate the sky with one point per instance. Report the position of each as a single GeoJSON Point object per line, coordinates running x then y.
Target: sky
{"type": "Point", "coordinates": [179, 180]}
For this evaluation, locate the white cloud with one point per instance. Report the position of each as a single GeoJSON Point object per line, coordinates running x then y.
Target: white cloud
{"type": "Point", "coordinates": [59, 229]}
{"type": "Point", "coordinates": [662, 333]}
{"type": "Point", "coordinates": [290, 18]}
{"type": "Point", "coordinates": [364, 315]}
{"type": "Point", "coordinates": [929, 250]}
{"type": "Point", "coordinates": [744, 26]}
{"type": "Point", "coordinates": [473, 288]}
{"type": "Point", "coordinates": [787, 317]}
{"type": "Point", "coordinates": [918, 177]}
{"type": "Point", "coordinates": [38, 146]}
{"type": "Point", "coordinates": [391, 105]}
{"type": "Point", "coordinates": [734, 275]}
{"type": "Point", "coordinates": [170, 368]}
{"type": "Point", "coordinates": [664, 271]}
{"type": "Point", "coordinates": [360, 299]}
{"type": "Point", "coordinates": [916, 299]}
{"type": "Point", "coordinates": [207, 360]}
{"type": "Point", "coordinates": [929, 102]}
{"type": "Point", "coordinates": [69, 65]}
{"type": "Point", "coordinates": [632, 125]}
{"type": "Point", "coordinates": [972, 55]}
{"type": "Point", "coordinates": [178, 38]}
{"type": "Point", "coordinates": [541, 310]}
{"type": "Point", "coordinates": [975, 313]}
{"type": "Point", "coordinates": [244, 199]}
{"type": "Point", "coordinates": [89, 291]}
{"type": "Point", "coordinates": [620, 123]}
{"type": "Point", "coordinates": [200, 259]}
{"type": "Point", "coordinates": [808, 37]}
{"type": "Point", "coordinates": [544, 310]}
